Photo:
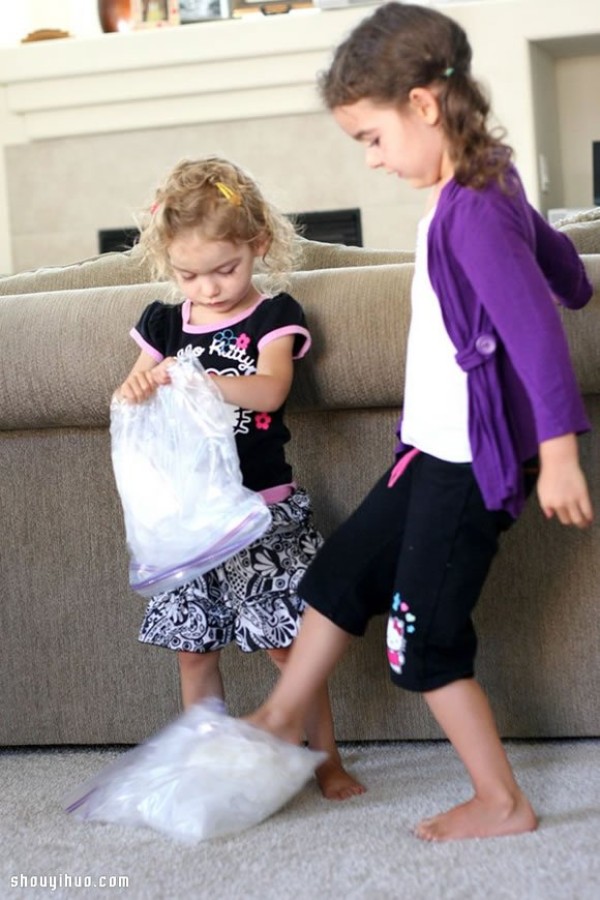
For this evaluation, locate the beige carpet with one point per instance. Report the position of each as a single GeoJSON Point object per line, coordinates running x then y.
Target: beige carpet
{"type": "Point", "coordinates": [313, 849]}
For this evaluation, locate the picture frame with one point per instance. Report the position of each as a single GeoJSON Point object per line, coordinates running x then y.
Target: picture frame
{"type": "Point", "coordinates": [203, 10]}
{"type": "Point", "coordinates": [155, 13]}
{"type": "Point", "coordinates": [243, 8]}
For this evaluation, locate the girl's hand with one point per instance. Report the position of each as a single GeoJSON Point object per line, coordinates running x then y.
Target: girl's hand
{"type": "Point", "coordinates": [562, 487]}
{"type": "Point", "coordinates": [144, 378]}
{"type": "Point", "coordinates": [137, 387]}
{"type": "Point", "coordinates": [160, 374]}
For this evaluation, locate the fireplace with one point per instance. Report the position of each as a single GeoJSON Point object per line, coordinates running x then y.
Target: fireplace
{"type": "Point", "coordinates": [338, 226]}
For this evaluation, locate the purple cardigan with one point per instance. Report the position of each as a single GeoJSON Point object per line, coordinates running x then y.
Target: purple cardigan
{"type": "Point", "coordinates": [494, 264]}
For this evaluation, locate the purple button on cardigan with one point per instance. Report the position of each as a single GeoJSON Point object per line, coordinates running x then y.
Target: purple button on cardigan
{"type": "Point", "coordinates": [486, 344]}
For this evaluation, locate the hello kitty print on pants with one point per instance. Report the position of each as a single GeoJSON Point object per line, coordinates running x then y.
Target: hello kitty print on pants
{"type": "Point", "coordinates": [401, 624]}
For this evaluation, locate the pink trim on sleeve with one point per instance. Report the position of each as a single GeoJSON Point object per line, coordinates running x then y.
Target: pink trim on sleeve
{"type": "Point", "coordinates": [145, 346]}
{"type": "Point", "coordinates": [279, 493]}
{"type": "Point", "coordinates": [282, 332]}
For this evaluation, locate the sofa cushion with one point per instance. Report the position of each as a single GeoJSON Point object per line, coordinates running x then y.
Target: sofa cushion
{"type": "Point", "coordinates": [348, 310]}
{"type": "Point", "coordinates": [357, 317]}
{"type": "Point", "coordinates": [97, 271]}
{"type": "Point", "coordinates": [584, 230]}
{"type": "Point", "coordinates": [319, 255]}
{"type": "Point", "coordinates": [110, 269]}
{"type": "Point", "coordinates": [77, 350]}
{"type": "Point", "coordinates": [582, 327]}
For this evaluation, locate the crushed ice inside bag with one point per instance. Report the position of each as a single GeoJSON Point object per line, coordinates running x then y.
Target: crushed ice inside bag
{"type": "Point", "coordinates": [177, 472]}
{"type": "Point", "coordinates": [205, 775]}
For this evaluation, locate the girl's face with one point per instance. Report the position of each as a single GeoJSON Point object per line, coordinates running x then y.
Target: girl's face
{"type": "Point", "coordinates": [407, 142]}
{"type": "Point", "coordinates": [216, 276]}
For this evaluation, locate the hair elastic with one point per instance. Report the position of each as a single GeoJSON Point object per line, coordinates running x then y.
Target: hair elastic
{"type": "Point", "coordinates": [448, 72]}
{"type": "Point", "coordinates": [229, 194]}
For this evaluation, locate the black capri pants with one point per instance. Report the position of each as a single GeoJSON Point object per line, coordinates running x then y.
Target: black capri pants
{"type": "Point", "coordinates": [419, 551]}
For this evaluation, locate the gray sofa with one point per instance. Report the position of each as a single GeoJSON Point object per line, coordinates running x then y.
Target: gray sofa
{"type": "Point", "coordinates": [71, 669]}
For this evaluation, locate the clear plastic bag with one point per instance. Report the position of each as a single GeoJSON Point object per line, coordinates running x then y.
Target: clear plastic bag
{"type": "Point", "coordinates": [178, 475]}
{"type": "Point", "coordinates": [205, 775]}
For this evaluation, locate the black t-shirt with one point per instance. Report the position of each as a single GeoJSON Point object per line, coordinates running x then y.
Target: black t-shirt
{"type": "Point", "coordinates": [232, 348]}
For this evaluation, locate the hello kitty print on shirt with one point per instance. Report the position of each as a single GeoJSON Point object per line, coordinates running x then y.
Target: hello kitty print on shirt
{"type": "Point", "coordinates": [232, 348]}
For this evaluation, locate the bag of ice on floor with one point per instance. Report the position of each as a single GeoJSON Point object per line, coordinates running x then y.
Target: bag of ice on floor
{"type": "Point", "coordinates": [205, 775]}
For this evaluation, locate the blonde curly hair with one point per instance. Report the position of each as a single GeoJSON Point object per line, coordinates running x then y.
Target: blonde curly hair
{"type": "Point", "coordinates": [223, 203]}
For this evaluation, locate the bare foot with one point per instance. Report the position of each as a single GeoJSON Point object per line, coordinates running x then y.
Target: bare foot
{"type": "Point", "coordinates": [336, 783]}
{"type": "Point", "coordinates": [476, 819]}
{"type": "Point", "coordinates": [273, 723]}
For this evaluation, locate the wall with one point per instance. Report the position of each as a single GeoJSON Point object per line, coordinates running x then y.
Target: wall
{"type": "Point", "coordinates": [89, 127]}
{"type": "Point", "coordinates": [86, 183]}
{"type": "Point", "coordinates": [578, 86]}
{"type": "Point", "coordinates": [565, 77]}
{"type": "Point", "coordinates": [547, 137]}
{"type": "Point", "coordinates": [19, 17]}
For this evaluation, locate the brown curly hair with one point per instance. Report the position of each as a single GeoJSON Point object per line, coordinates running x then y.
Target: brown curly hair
{"type": "Point", "coordinates": [223, 203]}
{"type": "Point", "coordinates": [402, 46]}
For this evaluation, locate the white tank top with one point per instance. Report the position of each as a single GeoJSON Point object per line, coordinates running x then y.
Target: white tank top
{"type": "Point", "coordinates": [435, 416]}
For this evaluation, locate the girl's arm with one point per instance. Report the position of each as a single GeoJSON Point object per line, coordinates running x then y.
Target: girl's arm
{"type": "Point", "coordinates": [483, 232]}
{"type": "Point", "coordinates": [561, 264]}
{"type": "Point", "coordinates": [562, 488]}
{"type": "Point", "coordinates": [268, 389]}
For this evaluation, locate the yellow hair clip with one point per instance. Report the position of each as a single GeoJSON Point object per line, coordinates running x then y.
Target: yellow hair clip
{"type": "Point", "coordinates": [229, 194]}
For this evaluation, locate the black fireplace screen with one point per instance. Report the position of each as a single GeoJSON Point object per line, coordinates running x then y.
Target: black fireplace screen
{"type": "Point", "coordinates": [339, 226]}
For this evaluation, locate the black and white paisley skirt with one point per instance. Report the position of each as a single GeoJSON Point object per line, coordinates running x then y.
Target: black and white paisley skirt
{"type": "Point", "coordinates": [250, 599]}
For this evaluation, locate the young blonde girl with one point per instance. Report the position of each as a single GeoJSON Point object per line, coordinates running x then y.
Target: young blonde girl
{"type": "Point", "coordinates": [207, 227]}
{"type": "Point", "coordinates": [490, 400]}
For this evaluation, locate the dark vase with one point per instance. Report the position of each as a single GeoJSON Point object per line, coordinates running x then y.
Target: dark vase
{"type": "Point", "coordinates": [113, 13]}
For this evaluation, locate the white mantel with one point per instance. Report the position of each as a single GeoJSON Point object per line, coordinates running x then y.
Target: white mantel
{"type": "Point", "coordinates": [231, 69]}
{"type": "Point", "coordinates": [251, 68]}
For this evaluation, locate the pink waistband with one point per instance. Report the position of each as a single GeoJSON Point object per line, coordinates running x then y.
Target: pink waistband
{"type": "Point", "coordinates": [278, 493]}
{"type": "Point", "coordinates": [401, 466]}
